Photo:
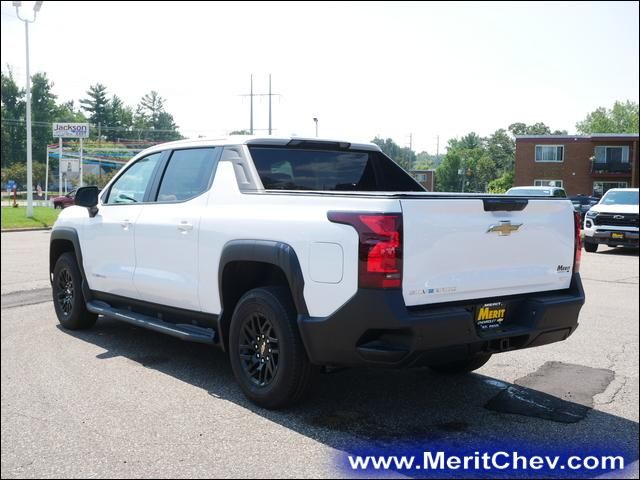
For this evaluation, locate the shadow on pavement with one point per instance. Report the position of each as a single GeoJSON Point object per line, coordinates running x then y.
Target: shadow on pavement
{"type": "Point", "coordinates": [361, 410]}
{"type": "Point", "coordinates": [626, 251]}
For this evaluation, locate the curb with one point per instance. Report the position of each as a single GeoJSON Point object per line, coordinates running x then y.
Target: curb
{"type": "Point", "coordinates": [28, 229]}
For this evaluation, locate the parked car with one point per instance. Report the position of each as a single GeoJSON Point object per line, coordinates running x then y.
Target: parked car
{"type": "Point", "coordinates": [64, 200]}
{"type": "Point", "coordinates": [582, 203]}
{"type": "Point", "coordinates": [613, 221]}
{"type": "Point", "coordinates": [537, 191]}
{"type": "Point", "coordinates": [293, 254]}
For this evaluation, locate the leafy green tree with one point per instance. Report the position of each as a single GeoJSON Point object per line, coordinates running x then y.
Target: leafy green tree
{"type": "Point", "coordinates": [447, 177]}
{"type": "Point", "coordinates": [97, 105]}
{"type": "Point", "coordinates": [67, 112]}
{"type": "Point", "coordinates": [18, 172]}
{"type": "Point", "coordinates": [99, 180]}
{"type": "Point", "coordinates": [501, 184]}
{"type": "Point", "coordinates": [44, 111]}
{"type": "Point", "coordinates": [467, 166]}
{"type": "Point", "coordinates": [403, 156]}
{"type": "Point", "coordinates": [502, 149]}
{"type": "Point", "coordinates": [622, 118]}
{"type": "Point", "coordinates": [121, 120]}
{"type": "Point", "coordinates": [151, 115]}
{"type": "Point", "coordinates": [13, 142]}
{"type": "Point", "coordinates": [535, 129]}
{"type": "Point", "coordinates": [424, 161]}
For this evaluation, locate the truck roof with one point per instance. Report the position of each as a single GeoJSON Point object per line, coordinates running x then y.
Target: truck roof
{"type": "Point", "coordinates": [262, 140]}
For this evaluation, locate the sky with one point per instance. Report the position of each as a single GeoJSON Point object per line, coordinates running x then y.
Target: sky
{"type": "Point", "coordinates": [408, 71]}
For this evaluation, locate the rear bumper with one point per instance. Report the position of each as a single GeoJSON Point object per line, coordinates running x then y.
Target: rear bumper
{"type": "Point", "coordinates": [375, 328]}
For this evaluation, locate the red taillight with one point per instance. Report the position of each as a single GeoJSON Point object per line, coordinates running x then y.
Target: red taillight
{"type": "Point", "coordinates": [380, 248]}
{"type": "Point", "coordinates": [577, 254]}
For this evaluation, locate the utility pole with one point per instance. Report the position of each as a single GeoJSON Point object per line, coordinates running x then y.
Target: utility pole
{"type": "Point", "coordinates": [269, 104]}
{"type": "Point", "coordinates": [411, 141]}
{"type": "Point", "coordinates": [251, 95]}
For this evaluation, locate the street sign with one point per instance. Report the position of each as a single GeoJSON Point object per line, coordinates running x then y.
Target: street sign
{"type": "Point", "coordinates": [11, 184]}
{"type": "Point", "coordinates": [68, 165]}
{"type": "Point", "coordinates": [71, 130]}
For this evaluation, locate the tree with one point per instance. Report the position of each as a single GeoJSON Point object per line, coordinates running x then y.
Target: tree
{"type": "Point", "coordinates": [539, 128]}
{"type": "Point", "coordinates": [121, 120]}
{"type": "Point", "coordinates": [424, 161]}
{"type": "Point", "coordinates": [501, 184]}
{"type": "Point", "coordinates": [99, 180]}
{"type": "Point", "coordinates": [44, 111]}
{"type": "Point", "coordinates": [403, 156]}
{"type": "Point", "coordinates": [622, 118]}
{"type": "Point", "coordinates": [466, 166]}
{"type": "Point", "coordinates": [13, 143]}
{"type": "Point", "coordinates": [97, 105]}
{"type": "Point", "coordinates": [240, 132]}
{"type": "Point", "coordinates": [18, 172]}
{"type": "Point", "coordinates": [502, 149]}
{"type": "Point", "coordinates": [151, 115]}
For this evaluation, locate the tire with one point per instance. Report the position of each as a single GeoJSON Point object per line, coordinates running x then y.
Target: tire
{"type": "Point", "coordinates": [68, 299]}
{"type": "Point", "coordinates": [272, 370]}
{"type": "Point", "coordinates": [466, 365]}
{"type": "Point", "coordinates": [57, 206]}
{"type": "Point", "coordinates": [590, 246]}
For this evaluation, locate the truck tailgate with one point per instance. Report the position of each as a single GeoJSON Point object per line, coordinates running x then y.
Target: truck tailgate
{"type": "Point", "coordinates": [455, 250]}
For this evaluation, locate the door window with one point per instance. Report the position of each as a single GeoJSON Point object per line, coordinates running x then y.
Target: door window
{"type": "Point", "coordinates": [131, 186]}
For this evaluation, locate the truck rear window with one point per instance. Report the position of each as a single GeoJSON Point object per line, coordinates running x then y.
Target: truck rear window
{"type": "Point", "coordinates": [328, 170]}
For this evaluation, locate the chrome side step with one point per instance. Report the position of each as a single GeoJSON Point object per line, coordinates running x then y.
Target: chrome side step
{"type": "Point", "coordinates": [184, 331]}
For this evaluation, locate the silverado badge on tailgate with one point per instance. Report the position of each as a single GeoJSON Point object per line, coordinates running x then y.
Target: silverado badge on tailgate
{"type": "Point", "coordinates": [491, 315]}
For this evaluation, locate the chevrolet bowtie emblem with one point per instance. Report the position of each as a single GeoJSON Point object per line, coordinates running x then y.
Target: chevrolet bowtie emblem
{"type": "Point", "coordinates": [505, 227]}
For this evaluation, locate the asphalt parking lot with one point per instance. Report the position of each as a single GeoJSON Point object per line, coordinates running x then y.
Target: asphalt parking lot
{"type": "Point", "coordinates": [118, 401]}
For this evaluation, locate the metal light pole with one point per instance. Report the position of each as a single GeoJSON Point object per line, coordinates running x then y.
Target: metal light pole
{"type": "Point", "coordinates": [316, 121]}
{"type": "Point", "coordinates": [36, 9]}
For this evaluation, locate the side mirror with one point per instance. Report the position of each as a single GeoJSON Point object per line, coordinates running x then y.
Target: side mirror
{"type": "Point", "coordinates": [88, 197]}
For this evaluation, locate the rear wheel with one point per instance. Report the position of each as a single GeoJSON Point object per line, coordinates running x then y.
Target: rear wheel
{"type": "Point", "coordinates": [267, 355]}
{"type": "Point", "coordinates": [468, 364]}
{"type": "Point", "coordinates": [590, 246]}
{"type": "Point", "coordinates": [68, 299]}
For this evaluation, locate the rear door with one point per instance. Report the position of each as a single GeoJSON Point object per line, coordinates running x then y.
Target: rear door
{"type": "Point", "coordinates": [167, 230]}
{"type": "Point", "coordinates": [455, 250]}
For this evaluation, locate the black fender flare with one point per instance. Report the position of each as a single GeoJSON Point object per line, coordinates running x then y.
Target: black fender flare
{"type": "Point", "coordinates": [71, 235]}
{"type": "Point", "coordinates": [272, 252]}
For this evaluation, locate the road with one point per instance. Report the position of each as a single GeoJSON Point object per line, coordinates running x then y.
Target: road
{"type": "Point", "coordinates": [118, 401]}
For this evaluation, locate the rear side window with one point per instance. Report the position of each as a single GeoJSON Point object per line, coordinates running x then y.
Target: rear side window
{"type": "Point", "coordinates": [187, 174]}
{"type": "Point", "coordinates": [329, 170]}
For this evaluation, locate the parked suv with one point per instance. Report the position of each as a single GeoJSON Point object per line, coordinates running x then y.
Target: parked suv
{"type": "Point", "coordinates": [293, 254]}
{"type": "Point", "coordinates": [613, 221]}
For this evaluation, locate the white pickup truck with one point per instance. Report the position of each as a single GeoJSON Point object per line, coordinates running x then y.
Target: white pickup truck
{"type": "Point", "coordinates": [295, 254]}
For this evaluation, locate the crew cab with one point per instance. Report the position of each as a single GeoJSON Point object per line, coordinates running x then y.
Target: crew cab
{"type": "Point", "coordinates": [613, 221]}
{"type": "Point", "coordinates": [294, 255]}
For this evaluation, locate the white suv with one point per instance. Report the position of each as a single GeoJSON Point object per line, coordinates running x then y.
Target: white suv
{"type": "Point", "coordinates": [613, 221]}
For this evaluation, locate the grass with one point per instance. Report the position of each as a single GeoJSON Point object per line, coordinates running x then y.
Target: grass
{"type": "Point", "coordinates": [17, 217]}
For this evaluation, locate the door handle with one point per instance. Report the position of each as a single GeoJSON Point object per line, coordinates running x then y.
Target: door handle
{"type": "Point", "coordinates": [185, 226]}
{"type": "Point", "coordinates": [125, 224]}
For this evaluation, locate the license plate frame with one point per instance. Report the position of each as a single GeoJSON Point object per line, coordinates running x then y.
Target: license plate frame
{"type": "Point", "coordinates": [490, 316]}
